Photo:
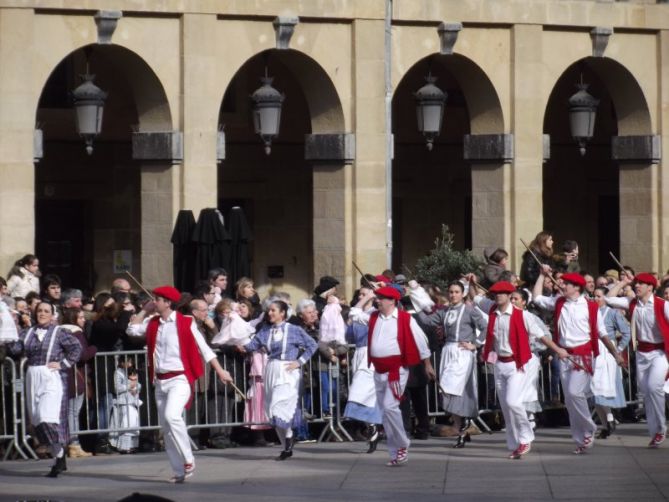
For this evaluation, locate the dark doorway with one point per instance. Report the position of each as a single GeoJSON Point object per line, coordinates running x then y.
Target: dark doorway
{"type": "Point", "coordinates": [61, 242]}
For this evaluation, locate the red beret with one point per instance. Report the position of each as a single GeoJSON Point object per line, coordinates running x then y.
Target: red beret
{"type": "Point", "coordinates": [381, 278]}
{"type": "Point", "coordinates": [646, 278]}
{"type": "Point", "coordinates": [168, 292]}
{"type": "Point", "coordinates": [502, 287]}
{"type": "Point", "coordinates": [388, 292]}
{"type": "Point", "coordinates": [575, 279]}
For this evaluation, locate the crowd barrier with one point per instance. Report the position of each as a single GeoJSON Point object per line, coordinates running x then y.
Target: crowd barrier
{"type": "Point", "coordinates": [102, 389]}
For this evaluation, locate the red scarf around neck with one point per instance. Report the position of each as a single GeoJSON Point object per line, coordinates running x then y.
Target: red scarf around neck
{"type": "Point", "coordinates": [519, 339]}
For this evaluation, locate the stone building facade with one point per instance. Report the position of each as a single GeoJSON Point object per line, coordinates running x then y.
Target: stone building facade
{"type": "Point", "coordinates": [337, 187]}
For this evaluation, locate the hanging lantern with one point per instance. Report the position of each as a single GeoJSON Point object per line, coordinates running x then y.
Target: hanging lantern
{"type": "Point", "coordinates": [267, 102]}
{"type": "Point", "coordinates": [430, 102]}
{"type": "Point", "coordinates": [582, 114]}
{"type": "Point", "coordinates": [89, 102]}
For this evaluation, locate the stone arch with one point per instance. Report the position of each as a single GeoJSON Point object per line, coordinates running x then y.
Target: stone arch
{"type": "Point", "coordinates": [474, 183]}
{"type": "Point", "coordinates": [126, 198]}
{"type": "Point", "coordinates": [611, 208]}
{"type": "Point", "coordinates": [314, 220]}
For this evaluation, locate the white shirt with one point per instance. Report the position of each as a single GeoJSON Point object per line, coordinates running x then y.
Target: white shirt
{"type": "Point", "coordinates": [646, 326]}
{"type": "Point", "coordinates": [574, 322]}
{"type": "Point", "coordinates": [167, 354]}
{"type": "Point", "coordinates": [384, 337]}
{"type": "Point", "coordinates": [535, 328]}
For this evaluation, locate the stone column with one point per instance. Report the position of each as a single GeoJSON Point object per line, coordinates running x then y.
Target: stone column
{"type": "Point", "coordinates": [527, 127]}
{"type": "Point", "coordinates": [638, 216]}
{"type": "Point", "coordinates": [201, 103]}
{"type": "Point", "coordinates": [663, 98]}
{"type": "Point", "coordinates": [369, 175]}
{"type": "Point", "coordinates": [17, 123]}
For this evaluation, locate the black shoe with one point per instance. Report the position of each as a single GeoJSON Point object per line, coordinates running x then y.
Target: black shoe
{"type": "Point", "coordinates": [58, 467]}
{"type": "Point", "coordinates": [103, 449]}
{"type": "Point", "coordinates": [460, 443]}
{"type": "Point", "coordinates": [468, 438]}
{"type": "Point", "coordinates": [466, 422]}
{"type": "Point", "coordinates": [603, 434]}
{"type": "Point", "coordinates": [421, 435]}
{"type": "Point", "coordinates": [284, 455]}
{"type": "Point", "coordinates": [611, 426]}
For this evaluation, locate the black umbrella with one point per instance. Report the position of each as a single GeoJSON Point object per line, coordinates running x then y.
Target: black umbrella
{"type": "Point", "coordinates": [240, 235]}
{"type": "Point", "coordinates": [212, 242]}
{"type": "Point", "coordinates": [183, 250]}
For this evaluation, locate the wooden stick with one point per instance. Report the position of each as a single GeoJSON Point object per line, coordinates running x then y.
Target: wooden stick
{"type": "Point", "coordinates": [140, 285]}
{"type": "Point", "coordinates": [363, 276]}
{"type": "Point", "coordinates": [238, 391]}
{"type": "Point", "coordinates": [576, 364]}
{"type": "Point", "coordinates": [476, 285]}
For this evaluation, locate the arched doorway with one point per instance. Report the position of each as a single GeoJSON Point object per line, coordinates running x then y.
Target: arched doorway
{"type": "Point", "coordinates": [294, 213]}
{"type": "Point", "coordinates": [90, 209]}
{"type": "Point", "coordinates": [446, 186]}
{"type": "Point", "coordinates": [582, 195]}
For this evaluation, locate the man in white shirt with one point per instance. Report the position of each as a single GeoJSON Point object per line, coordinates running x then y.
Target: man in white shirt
{"type": "Point", "coordinates": [578, 325]}
{"type": "Point", "coordinates": [174, 345]}
{"type": "Point", "coordinates": [650, 335]}
{"type": "Point", "coordinates": [396, 342]}
{"type": "Point", "coordinates": [510, 330]}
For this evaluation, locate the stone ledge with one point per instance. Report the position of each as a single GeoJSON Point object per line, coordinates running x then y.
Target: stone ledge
{"type": "Point", "coordinates": [646, 149]}
{"type": "Point", "coordinates": [158, 146]}
{"type": "Point", "coordinates": [330, 147]}
{"type": "Point", "coordinates": [488, 147]}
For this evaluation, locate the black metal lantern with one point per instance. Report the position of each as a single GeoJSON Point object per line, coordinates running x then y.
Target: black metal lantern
{"type": "Point", "coordinates": [89, 102]}
{"type": "Point", "coordinates": [267, 102]}
{"type": "Point", "coordinates": [430, 102]}
{"type": "Point", "coordinates": [582, 114]}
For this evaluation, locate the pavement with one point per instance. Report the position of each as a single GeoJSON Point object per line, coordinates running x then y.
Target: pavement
{"type": "Point", "coordinates": [618, 468]}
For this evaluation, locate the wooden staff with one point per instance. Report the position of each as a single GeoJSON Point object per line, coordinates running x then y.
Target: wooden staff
{"type": "Point", "coordinates": [476, 285]}
{"type": "Point", "coordinates": [539, 263]}
{"type": "Point", "coordinates": [140, 285]}
{"type": "Point", "coordinates": [620, 265]}
{"type": "Point", "coordinates": [238, 391]}
{"type": "Point", "coordinates": [363, 276]}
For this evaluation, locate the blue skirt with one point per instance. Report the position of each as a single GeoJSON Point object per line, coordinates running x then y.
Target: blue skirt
{"type": "Point", "coordinates": [367, 414]}
{"type": "Point", "coordinates": [618, 401]}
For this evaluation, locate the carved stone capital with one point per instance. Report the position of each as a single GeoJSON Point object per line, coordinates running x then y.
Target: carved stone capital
{"type": "Point", "coordinates": [284, 26]}
{"type": "Point", "coordinates": [448, 35]}
{"type": "Point", "coordinates": [600, 39]}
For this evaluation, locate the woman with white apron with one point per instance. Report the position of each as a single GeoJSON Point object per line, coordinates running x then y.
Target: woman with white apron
{"type": "Point", "coordinates": [288, 348]}
{"type": "Point", "coordinates": [615, 322]}
{"type": "Point", "coordinates": [457, 370]}
{"type": "Point", "coordinates": [49, 350]}
{"type": "Point", "coordinates": [362, 403]}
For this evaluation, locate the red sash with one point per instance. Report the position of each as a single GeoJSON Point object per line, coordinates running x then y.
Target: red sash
{"type": "Point", "coordinates": [519, 340]}
{"type": "Point", "coordinates": [658, 308]}
{"type": "Point", "coordinates": [409, 355]}
{"type": "Point", "coordinates": [593, 309]}
{"type": "Point", "coordinates": [188, 350]}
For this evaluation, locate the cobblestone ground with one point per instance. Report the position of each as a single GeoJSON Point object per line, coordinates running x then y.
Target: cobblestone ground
{"type": "Point", "coordinates": [619, 468]}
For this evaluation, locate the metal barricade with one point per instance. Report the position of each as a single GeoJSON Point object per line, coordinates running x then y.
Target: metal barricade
{"type": "Point", "coordinates": [11, 418]}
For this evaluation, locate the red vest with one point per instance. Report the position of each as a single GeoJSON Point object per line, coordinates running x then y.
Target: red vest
{"type": "Point", "coordinates": [519, 340]}
{"type": "Point", "coordinates": [190, 355]}
{"type": "Point", "coordinates": [593, 309]}
{"type": "Point", "coordinates": [658, 307]}
{"type": "Point", "coordinates": [409, 354]}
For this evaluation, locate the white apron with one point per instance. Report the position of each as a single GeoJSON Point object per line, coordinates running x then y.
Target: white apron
{"type": "Point", "coordinates": [604, 377]}
{"type": "Point", "coordinates": [282, 390]}
{"type": "Point", "coordinates": [455, 368]}
{"type": "Point", "coordinates": [44, 388]}
{"type": "Point", "coordinates": [362, 389]}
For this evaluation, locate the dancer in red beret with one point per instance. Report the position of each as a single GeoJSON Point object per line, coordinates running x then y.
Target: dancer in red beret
{"type": "Point", "coordinates": [649, 316]}
{"type": "Point", "coordinates": [173, 346]}
{"type": "Point", "coordinates": [507, 343]}
{"type": "Point", "coordinates": [396, 342]}
{"type": "Point", "coordinates": [578, 328]}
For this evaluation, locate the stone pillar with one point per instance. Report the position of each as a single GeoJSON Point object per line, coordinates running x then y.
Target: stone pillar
{"type": "Point", "coordinates": [201, 103]}
{"type": "Point", "coordinates": [638, 216]}
{"type": "Point", "coordinates": [663, 107]}
{"type": "Point", "coordinates": [369, 175]}
{"type": "Point", "coordinates": [490, 155]}
{"type": "Point", "coordinates": [332, 155]}
{"type": "Point", "coordinates": [527, 127]}
{"type": "Point", "coordinates": [17, 125]}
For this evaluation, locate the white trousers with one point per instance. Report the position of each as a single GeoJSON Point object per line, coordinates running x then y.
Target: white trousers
{"type": "Point", "coordinates": [651, 370]}
{"type": "Point", "coordinates": [511, 390]}
{"type": "Point", "coordinates": [396, 436]}
{"type": "Point", "coordinates": [576, 388]}
{"type": "Point", "coordinates": [172, 395]}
